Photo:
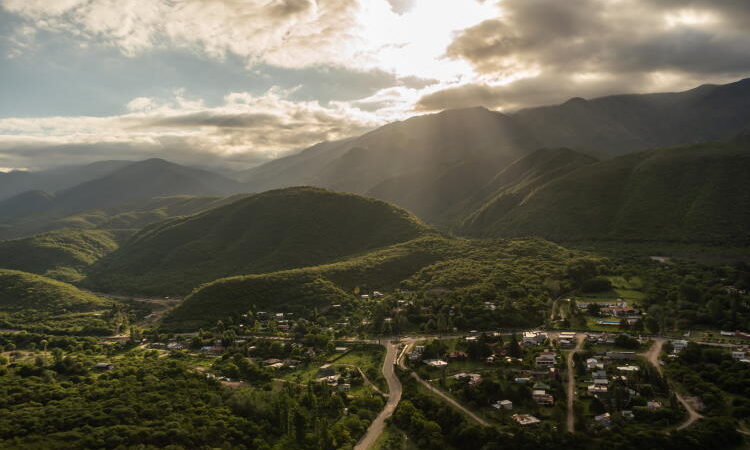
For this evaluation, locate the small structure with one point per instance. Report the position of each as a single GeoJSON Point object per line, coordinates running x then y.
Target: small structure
{"type": "Point", "coordinates": [525, 419]}
{"type": "Point", "coordinates": [341, 349]}
{"type": "Point", "coordinates": [604, 420]}
{"type": "Point", "coordinates": [533, 338]}
{"type": "Point", "coordinates": [628, 368]}
{"type": "Point", "coordinates": [471, 378]}
{"type": "Point", "coordinates": [653, 405]}
{"type": "Point", "coordinates": [344, 387]}
{"type": "Point", "coordinates": [592, 364]}
{"type": "Point", "coordinates": [436, 363]}
{"type": "Point", "coordinates": [503, 404]}
{"type": "Point", "coordinates": [622, 355]}
{"type": "Point", "coordinates": [542, 398]}
{"type": "Point", "coordinates": [738, 355]}
{"type": "Point", "coordinates": [103, 367]}
{"type": "Point", "coordinates": [679, 345]}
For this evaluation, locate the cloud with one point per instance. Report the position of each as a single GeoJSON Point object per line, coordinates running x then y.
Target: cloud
{"type": "Point", "coordinates": [244, 131]}
{"type": "Point", "coordinates": [542, 51]}
{"type": "Point", "coordinates": [287, 33]}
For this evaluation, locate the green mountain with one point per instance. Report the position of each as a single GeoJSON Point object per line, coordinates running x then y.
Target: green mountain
{"type": "Point", "coordinates": [276, 230]}
{"type": "Point", "coordinates": [61, 254]}
{"type": "Point", "coordinates": [698, 194]}
{"type": "Point", "coordinates": [36, 303]}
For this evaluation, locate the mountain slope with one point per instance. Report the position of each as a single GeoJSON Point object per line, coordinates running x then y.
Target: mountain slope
{"type": "Point", "coordinates": [421, 148]}
{"type": "Point", "coordinates": [509, 187]}
{"type": "Point", "coordinates": [276, 230]}
{"type": "Point", "coordinates": [60, 254]}
{"type": "Point", "coordinates": [474, 270]}
{"type": "Point", "coordinates": [36, 303]}
{"type": "Point", "coordinates": [691, 194]}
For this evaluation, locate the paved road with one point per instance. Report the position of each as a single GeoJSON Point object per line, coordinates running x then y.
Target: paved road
{"type": "Point", "coordinates": [653, 357]}
{"type": "Point", "coordinates": [394, 396]}
{"type": "Point", "coordinates": [572, 383]}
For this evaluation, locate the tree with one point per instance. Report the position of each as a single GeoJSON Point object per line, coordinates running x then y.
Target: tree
{"type": "Point", "coordinates": [514, 349]}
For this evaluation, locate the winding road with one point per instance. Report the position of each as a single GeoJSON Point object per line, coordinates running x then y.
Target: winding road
{"type": "Point", "coordinates": [572, 383]}
{"type": "Point", "coordinates": [394, 396]}
{"type": "Point", "coordinates": [652, 355]}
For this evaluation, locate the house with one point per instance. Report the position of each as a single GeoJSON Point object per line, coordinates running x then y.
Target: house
{"type": "Point", "coordinates": [272, 361]}
{"type": "Point", "coordinates": [568, 335]}
{"type": "Point", "coordinates": [595, 389]}
{"type": "Point", "coordinates": [525, 419]}
{"type": "Point", "coordinates": [490, 359]}
{"type": "Point", "coordinates": [653, 405]}
{"type": "Point", "coordinates": [622, 355]}
{"type": "Point", "coordinates": [344, 387]}
{"type": "Point", "coordinates": [436, 363]}
{"type": "Point", "coordinates": [679, 345]}
{"type": "Point", "coordinates": [604, 420]}
{"type": "Point", "coordinates": [471, 378]}
{"type": "Point", "coordinates": [628, 368]}
{"type": "Point", "coordinates": [628, 414]}
{"type": "Point", "coordinates": [533, 337]}
{"type": "Point", "coordinates": [599, 375]}
{"type": "Point", "coordinates": [738, 355]}
{"type": "Point", "coordinates": [457, 355]}
{"type": "Point", "coordinates": [341, 349]}
{"type": "Point", "coordinates": [503, 404]}
{"type": "Point", "coordinates": [593, 364]}
{"type": "Point", "coordinates": [212, 349]}
{"type": "Point", "coordinates": [546, 359]}
{"type": "Point", "coordinates": [103, 367]}
{"type": "Point", "coordinates": [542, 398]}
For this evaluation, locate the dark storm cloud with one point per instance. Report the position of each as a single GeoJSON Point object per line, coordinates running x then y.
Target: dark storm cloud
{"type": "Point", "coordinates": [596, 47]}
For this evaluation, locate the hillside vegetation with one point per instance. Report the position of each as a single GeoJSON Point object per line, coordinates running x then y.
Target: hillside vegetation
{"type": "Point", "coordinates": [36, 303]}
{"type": "Point", "coordinates": [692, 194]}
{"type": "Point", "coordinates": [276, 230]}
{"type": "Point", "coordinates": [474, 271]}
{"type": "Point", "coordinates": [61, 254]}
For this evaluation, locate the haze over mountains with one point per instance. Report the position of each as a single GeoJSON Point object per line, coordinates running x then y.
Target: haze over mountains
{"type": "Point", "coordinates": [474, 171]}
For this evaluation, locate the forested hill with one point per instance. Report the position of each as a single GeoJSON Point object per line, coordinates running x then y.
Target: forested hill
{"type": "Point", "coordinates": [276, 230]}
{"type": "Point", "coordinates": [689, 194]}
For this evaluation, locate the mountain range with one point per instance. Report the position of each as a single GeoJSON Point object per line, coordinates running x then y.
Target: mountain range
{"type": "Point", "coordinates": [471, 171]}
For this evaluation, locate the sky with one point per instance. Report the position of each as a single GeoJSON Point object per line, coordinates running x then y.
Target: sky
{"type": "Point", "coordinates": [235, 83]}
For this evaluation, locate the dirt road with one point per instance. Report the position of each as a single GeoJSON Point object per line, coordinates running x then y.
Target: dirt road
{"type": "Point", "coordinates": [572, 382]}
{"type": "Point", "coordinates": [652, 355]}
{"type": "Point", "coordinates": [450, 400]}
{"type": "Point", "coordinates": [394, 396]}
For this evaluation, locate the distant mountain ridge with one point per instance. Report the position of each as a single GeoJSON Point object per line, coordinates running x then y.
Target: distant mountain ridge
{"type": "Point", "coordinates": [129, 194]}
{"type": "Point", "coordinates": [434, 164]}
